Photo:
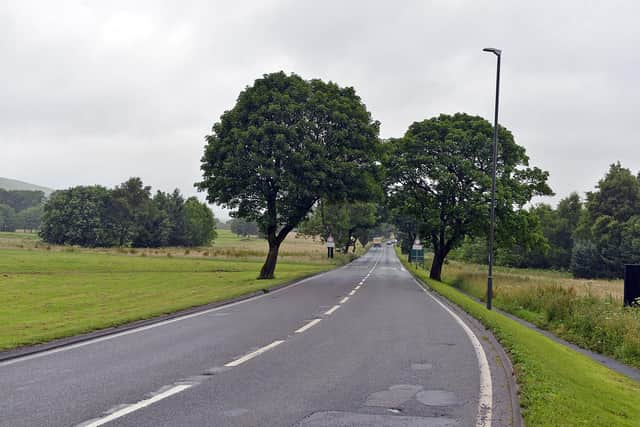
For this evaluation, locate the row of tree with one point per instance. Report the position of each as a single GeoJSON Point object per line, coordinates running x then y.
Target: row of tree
{"type": "Point", "coordinates": [292, 147]}
{"type": "Point", "coordinates": [126, 215]}
{"type": "Point", "coordinates": [592, 239]}
{"type": "Point", "coordinates": [20, 209]}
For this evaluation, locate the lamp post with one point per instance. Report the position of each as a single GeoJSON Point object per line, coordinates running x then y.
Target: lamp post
{"type": "Point", "coordinates": [497, 53]}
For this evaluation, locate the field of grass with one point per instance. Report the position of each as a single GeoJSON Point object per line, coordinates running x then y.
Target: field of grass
{"type": "Point", "coordinates": [558, 386]}
{"type": "Point", "coordinates": [49, 292]}
{"type": "Point", "coordinates": [588, 313]}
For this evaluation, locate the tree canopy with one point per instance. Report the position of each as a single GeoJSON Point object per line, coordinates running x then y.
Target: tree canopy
{"type": "Point", "coordinates": [285, 144]}
{"type": "Point", "coordinates": [608, 234]}
{"type": "Point", "coordinates": [125, 216]}
{"type": "Point", "coordinates": [441, 170]}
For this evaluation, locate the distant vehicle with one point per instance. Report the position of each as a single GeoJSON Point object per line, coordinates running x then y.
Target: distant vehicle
{"type": "Point", "coordinates": [377, 242]}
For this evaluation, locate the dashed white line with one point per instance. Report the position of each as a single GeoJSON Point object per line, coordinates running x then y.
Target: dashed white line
{"type": "Point", "coordinates": [352, 292]}
{"type": "Point", "coordinates": [253, 354]}
{"type": "Point", "coordinates": [136, 406]}
{"type": "Point", "coordinates": [331, 310]}
{"type": "Point", "coordinates": [307, 326]}
{"type": "Point", "coordinates": [357, 287]}
{"type": "Point", "coordinates": [343, 300]}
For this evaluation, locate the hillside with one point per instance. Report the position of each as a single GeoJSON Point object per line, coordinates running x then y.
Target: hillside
{"type": "Point", "coordinates": [13, 184]}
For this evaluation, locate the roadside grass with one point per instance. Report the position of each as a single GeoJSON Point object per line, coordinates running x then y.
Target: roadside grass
{"type": "Point", "coordinates": [587, 313]}
{"type": "Point", "coordinates": [558, 386]}
{"type": "Point", "coordinates": [226, 246]}
{"type": "Point", "coordinates": [63, 291]}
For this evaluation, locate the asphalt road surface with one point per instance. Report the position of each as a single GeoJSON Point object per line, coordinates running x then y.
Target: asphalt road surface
{"type": "Point", "coordinates": [360, 345]}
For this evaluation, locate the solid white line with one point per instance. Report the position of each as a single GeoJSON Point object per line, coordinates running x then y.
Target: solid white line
{"type": "Point", "coordinates": [485, 398]}
{"type": "Point", "coordinates": [352, 292]}
{"type": "Point", "coordinates": [331, 310]}
{"type": "Point", "coordinates": [253, 354]}
{"type": "Point", "coordinates": [343, 300]}
{"type": "Point", "coordinates": [159, 324]}
{"type": "Point", "coordinates": [142, 404]}
{"type": "Point", "coordinates": [307, 326]}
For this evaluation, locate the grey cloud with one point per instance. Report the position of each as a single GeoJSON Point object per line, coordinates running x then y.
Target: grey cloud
{"type": "Point", "coordinates": [94, 92]}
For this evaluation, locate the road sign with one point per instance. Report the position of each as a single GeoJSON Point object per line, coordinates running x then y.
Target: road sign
{"type": "Point", "coordinates": [417, 252]}
{"type": "Point", "coordinates": [330, 242]}
{"type": "Point", "coordinates": [330, 245]}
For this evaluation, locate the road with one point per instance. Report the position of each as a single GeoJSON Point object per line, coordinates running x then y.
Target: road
{"type": "Point", "coordinates": [359, 345]}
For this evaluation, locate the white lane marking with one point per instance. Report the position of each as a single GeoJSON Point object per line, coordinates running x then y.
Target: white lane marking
{"type": "Point", "coordinates": [361, 282]}
{"type": "Point", "coordinates": [343, 300]}
{"type": "Point", "coordinates": [352, 292]}
{"type": "Point", "coordinates": [307, 326]}
{"type": "Point", "coordinates": [485, 398]}
{"type": "Point", "coordinates": [253, 354]}
{"type": "Point", "coordinates": [156, 325]}
{"type": "Point", "coordinates": [331, 310]}
{"type": "Point", "coordinates": [136, 406]}
{"type": "Point", "coordinates": [357, 287]}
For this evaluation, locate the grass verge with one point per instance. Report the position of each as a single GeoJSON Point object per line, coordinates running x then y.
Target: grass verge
{"type": "Point", "coordinates": [54, 294]}
{"type": "Point", "coordinates": [558, 386]}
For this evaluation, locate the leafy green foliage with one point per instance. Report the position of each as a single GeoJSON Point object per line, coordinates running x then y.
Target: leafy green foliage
{"type": "Point", "coordinates": [242, 227]}
{"type": "Point", "coordinates": [30, 218]}
{"type": "Point", "coordinates": [8, 220]}
{"type": "Point", "coordinates": [126, 216]}
{"type": "Point", "coordinates": [200, 223]}
{"type": "Point", "coordinates": [347, 222]}
{"type": "Point", "coordinates": [441, 173]}
{"type": "Point", "coordinates": [79, 216]}
{"type": "Point", "coordinates": [285, 144]}
{"type": "Point", "coordinates": [609, 232]}
{"type": "Point", "coordinates": [20, 200]}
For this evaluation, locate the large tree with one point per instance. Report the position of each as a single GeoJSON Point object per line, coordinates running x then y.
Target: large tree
{"type": "Point", "coordinates": [441, 170]}
{"type": "Point", "coordinates": [285, 144]}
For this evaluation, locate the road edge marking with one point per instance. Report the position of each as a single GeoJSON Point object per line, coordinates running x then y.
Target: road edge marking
{"type": "Point", "coordinates": [247, 357]}
{"type": "Point", "coordinates": [485, 396]}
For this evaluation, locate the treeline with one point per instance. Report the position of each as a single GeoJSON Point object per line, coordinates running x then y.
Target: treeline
{"type": "Point", "coordinates": [346, 222]}
{"type": "Point", "coordinates": [593, 238]}
{"type": "Point", "coordinates": [127, 215]}
{"type": "Point", "coordinates": [20, 209]}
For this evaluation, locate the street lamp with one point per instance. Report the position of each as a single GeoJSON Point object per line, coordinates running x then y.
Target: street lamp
{"type": "Point", "coordinates": [497, 53]}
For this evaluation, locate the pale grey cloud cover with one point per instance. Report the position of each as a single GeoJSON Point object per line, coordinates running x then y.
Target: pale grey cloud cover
{"type": "Point", "coordinates": [95, 92]}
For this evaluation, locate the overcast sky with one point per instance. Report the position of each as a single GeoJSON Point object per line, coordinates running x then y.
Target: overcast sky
{"type": "Point", "coordinates": [93, 92]}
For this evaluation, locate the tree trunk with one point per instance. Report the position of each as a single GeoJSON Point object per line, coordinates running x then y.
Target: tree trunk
{"type": "Point", "coordinates": [269, 266]}
{"type": "Point", "coordinates": [436, 265]}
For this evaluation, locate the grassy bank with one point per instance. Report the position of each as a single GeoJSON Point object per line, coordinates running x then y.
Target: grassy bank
{"type": "Point", "coordinates": [559, 387]}
{"type": "Point", "coordinates": [62, 291]}
{"type": "Point", "coordinates": [587, 313]}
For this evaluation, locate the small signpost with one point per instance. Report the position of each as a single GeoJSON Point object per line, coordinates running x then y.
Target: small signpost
{"type": "Point", "coordinates": [417, 253]}
{"type": "Point", "coordinates": [330, 245]}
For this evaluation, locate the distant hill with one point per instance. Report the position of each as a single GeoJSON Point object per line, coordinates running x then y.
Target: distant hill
{"type": "Point", "coordinates": [14, 184]}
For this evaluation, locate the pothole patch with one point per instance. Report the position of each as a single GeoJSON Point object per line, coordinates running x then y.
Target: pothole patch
{"type": "Point", "coordinates": [395, 396]}
{"type": "Point", "coordinates": [235, 412]}
{"type": "Point", "coordinates": [438, 398]}
{"type": "Point", "coordinates": [421, 366]}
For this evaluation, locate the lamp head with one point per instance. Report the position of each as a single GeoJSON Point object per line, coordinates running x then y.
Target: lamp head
{"type": "Point", "coordinates": [493, 50]}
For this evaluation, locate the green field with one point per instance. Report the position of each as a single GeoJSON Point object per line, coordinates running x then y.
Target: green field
{"type": "Point", "coordinates": [53, 292]}
{"type": "Point", "coordinates": [558, 386]}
